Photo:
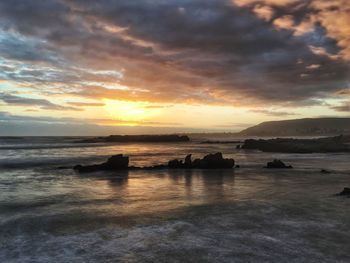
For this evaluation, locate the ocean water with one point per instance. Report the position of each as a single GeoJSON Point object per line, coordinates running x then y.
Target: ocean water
{"type": "Point", "coordinates": [248, 214]}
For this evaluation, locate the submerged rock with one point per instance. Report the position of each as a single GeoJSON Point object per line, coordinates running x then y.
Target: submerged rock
{"type": "Point", "coordinates": [345, 192]}
{"type": "Point", "coordinates": [277, 164]}
{"type": "Point", "coordinates": [116, 162]}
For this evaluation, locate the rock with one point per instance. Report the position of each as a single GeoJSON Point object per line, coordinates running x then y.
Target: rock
{"type": "Point", "coordinates": [237, 166]}
{"type": "Point", "coordinates": [210, 161]}
{"type": "Point", "coordinates": [78, 167]}
{"type": "Point", "coordinates": [188, 161]}
{"type": "Point", "coordinates": [119, 162]}
{"type": "Point", "coordinates": [116, 162]}
{"type": "Point", "coordinates": [324, 171]}
{"type": "Point", "coordinates": [345, 192]}
{"type": "Point", "coordinates": [63, 167]}
{"type": "Point", "coordinates": [175, 164]}
{"type": "Point", "coordinates": [213, 161]}
{"type": "Point", "coordinates": [277, 164]}
{"type": "Point", "coordinates": [153, 167]}
{"type": "Point", "coordinates": [88, 168]}
{"type": "Point", "coordinates": [219, 142]}
{"type": "Point", "coordinates": [238, 147]}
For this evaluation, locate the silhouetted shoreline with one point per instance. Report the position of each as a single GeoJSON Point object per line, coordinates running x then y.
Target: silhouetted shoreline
{"type": "Point", "coordinates": [289, 145]}
{"type": "Point", "coordinates": [137, 138]}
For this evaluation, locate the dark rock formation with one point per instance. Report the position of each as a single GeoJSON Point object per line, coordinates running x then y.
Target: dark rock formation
{"type": "Point", "coordinates": [214, 161]}
{"type": "Point", "coordinates": [288, 145]}
{"type": "Point", "coordinates": [119, 162]}
{"type": "Point", "coordinates": [176, 164]}
{"type": "Point", "coordinates": [116, 162]}
{"type": "Point", "coordinates": [277, 164]}
{"type": "Point", "coordinates": [210, 161]}
{"type": "Point", "coordinates": [220, 142]}
{"type": "Point", "coordinates": [324, 171]}
{"type": "Point", "coordinates": [188, 161]}
{"type": "Point", "coordinates": [345, 192]}
{"type": "Point", "coordinates": [138, 138]}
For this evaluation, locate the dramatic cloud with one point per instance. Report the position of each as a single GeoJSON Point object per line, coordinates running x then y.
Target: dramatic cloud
{"type": "Point", "coordinates": [241, 53]}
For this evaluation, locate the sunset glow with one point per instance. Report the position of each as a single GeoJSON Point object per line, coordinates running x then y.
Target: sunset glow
{"type": "Point", "coordinates": [174, 131]}
{"type": "Point", "coordinates": [229, 64]}
{"type": "Point", "coordinates": [130, 112]}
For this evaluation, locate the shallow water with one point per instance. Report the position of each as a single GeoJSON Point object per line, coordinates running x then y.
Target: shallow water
{"type": "Point", "coordinates": [245, 215]}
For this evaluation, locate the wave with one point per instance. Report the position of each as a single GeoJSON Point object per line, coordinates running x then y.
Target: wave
{"type": "Point", "coordinates": [47, 162]}
{"type": "Point", "coordinates": [257, 236]}
{"type": "Point", "coordinates": [50, 146]}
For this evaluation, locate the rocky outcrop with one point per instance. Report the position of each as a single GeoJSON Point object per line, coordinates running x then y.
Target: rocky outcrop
{"type": "Point", "coordinates": [345, 192]}
{"type": "Point", "coordinates": [120, 162]}
{"type": "Point", "coordinates": [277, 164]}
{"type": "Point", "coordinates": [288, 145]}
{"type": "Point", "coordinates": [220, 142]}
{"type": "Point", "coordinates": [116, 162]}
{"type": "Point", "coordinates": [138, 138]}
{"type": "Point", "coordinates": [210, 161]}
{"type": "Point", "coordinates": [188, 161]}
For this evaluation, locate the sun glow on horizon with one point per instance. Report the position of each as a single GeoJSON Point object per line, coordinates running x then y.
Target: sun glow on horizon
{"type": "Point", "coordinates": [131, 113]}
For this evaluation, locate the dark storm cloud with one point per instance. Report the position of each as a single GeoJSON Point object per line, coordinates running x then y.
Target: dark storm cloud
{"type": "Point", "coordinates": [42, 103]}
{"type": "Point", "coordinates": [188, 50]}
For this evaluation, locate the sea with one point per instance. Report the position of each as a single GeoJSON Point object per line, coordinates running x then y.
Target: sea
{"type": "Point", "coordinates": [50, 213]}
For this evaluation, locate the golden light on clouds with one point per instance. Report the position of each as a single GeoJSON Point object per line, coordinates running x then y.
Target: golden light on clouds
{"type": "Point", "coordinates": [130, 112]}
{"type": "Point", "coordinates": [334, 16]}
{"type": "Point", "coordinates": [195, 64]}
{"type": "Point", "coordinates": [264, 12]}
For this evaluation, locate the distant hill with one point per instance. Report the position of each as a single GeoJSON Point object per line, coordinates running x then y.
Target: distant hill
{"type": "Point", "coordinates": [300, 127]}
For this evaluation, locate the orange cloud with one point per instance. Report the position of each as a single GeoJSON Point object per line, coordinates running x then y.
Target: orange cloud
{"type": "Point", "coordinates": [285, 22]}
{"type": "Point", "coordinates": [334, 16]}
{"type": "Point", "coordinates": [263, 12]}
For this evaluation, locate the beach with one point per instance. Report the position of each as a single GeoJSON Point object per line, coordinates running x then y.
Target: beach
{"type": "Point", "coordinates": [246, 214]}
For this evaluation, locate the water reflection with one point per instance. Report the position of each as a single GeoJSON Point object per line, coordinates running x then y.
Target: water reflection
{"type": "Point", "coordinates": [147, 192]}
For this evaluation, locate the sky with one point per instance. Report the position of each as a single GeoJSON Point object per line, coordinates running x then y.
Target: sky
{"type": "Point", "coordinates": [86, 67]}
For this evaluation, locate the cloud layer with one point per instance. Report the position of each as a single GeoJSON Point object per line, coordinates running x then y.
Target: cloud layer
{"type": "Point", "coordinates": [237, 52]}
